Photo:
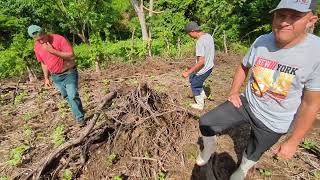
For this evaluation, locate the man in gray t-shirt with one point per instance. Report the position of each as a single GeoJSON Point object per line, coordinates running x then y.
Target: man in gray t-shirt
{"type": "Point", "coordinates": [283, 90]}
{"type": "Point", "coordinates": [202, 69]}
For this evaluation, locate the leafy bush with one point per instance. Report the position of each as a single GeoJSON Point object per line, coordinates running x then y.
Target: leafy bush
{"type": "Point", "coordinates": [83, 58]}
{"type": "Point", "coordinates": [13, 60]}
{"type": "Point", "coordinates": [238, 48]}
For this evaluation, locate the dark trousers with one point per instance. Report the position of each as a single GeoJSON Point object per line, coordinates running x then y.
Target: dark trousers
{"type": "Point", "coordinates": [197, 81]}
{"type": "Point", "coordinates": [227, 116]}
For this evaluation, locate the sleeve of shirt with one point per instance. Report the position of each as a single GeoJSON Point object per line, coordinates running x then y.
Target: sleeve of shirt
{"type": "Point", "coordinates": [200, 49]}
{"type": "Point", "coordinates": [65, 46]}
{"type": "Point", "coordinates": [249, 58]}
{"type": "Point", "coordinates": [313, 82]}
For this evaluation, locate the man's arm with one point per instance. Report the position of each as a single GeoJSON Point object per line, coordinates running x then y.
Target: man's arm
{"type": "Point", "coordinates": [64, 55]}
{"type": "Point", "coordinates": [195, 68]}
{"type": "Point", "coordinates": [46, 74]}
{"type": "Point", "coordinates": [306, 115]}
{"type": "Point", "coordinates": [239, 77]}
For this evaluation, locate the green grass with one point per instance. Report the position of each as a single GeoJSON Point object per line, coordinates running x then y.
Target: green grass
{"type": "Point", "coordinates": [86, 95]}
{"type": "Point", "coordinates": [191, 152]}
{"type": "Point", "coordinates": [16, 155]}
{"type": "Point", "coordinates": [4, 178]}
{"type": "Point", "coordinates": [27, 131]}
{"type": "Point", "coordinates": [308, 145]}
{"type": "Point", "coordinates": [67, 174]}
{"type": "Point", "coordinates": [43, 95]}
{"type": "Point", "coordinates": [19, 98]}
{"type": "Point", "coordinates": [265, 172]}
{"type": "Point", "coordinates": [58, 135]}
{"type": "Point", "coordinates": [133, 82]}
{"type": "Point", "coordinates": [158, 88]}
{"type": "Point", "coordinates": [28, 116]}
{"type": "Point", "coordinates": [161, 175]}
{"type": "Point", "coordinates": [62, 105]}
{"type": "Point", "coordinates": [110, 159]}
{"type": "Point", "coordinates": [117, 178]}
{"type": "Point", "coordinates": [316, 174]}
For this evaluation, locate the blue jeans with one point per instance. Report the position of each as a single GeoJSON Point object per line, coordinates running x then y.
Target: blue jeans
{"type": "Point", "coordinates": [197, 82]}
{"type": "Point", "coordinates": [67, 84]}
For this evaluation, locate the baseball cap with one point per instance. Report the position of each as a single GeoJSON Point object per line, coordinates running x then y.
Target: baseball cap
{"type": "Point", "coordinates": [297, 5]}
{"type": "Point", "coordinates": [191, 26]}
{"type": "Point", "coordinates": [33, 29]}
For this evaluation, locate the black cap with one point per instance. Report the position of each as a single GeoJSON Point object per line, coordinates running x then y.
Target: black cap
{"type": "Point", "coordinates": [191, 26]}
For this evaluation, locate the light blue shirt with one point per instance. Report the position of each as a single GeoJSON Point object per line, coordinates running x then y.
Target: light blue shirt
{"type": "Point", "coordinates": [205, 48]}
{"type": "Point", "coordinates": [278, 78]}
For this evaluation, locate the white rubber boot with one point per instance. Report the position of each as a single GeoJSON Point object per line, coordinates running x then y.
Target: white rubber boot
{"type": "Point", "coordinates": [203, 94]}
{"type": "Point", "coordinates": [243, 169]}
{"type": "Point", "coordinates": [199, 102]}
{"type": "Point", "coordinates": [209, 147]}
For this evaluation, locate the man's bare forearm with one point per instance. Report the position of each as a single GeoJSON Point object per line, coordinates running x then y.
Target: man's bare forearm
{"type": "Point", "coordinates": [45, 71]}
{"type": "Point", "coordinates": [306, 116]}
{"type": "Point", "coordinates": [199, 65]}
{"type": "Point", "coordinates": [64, 55]}
{"type": "Point", "coordinates": [239, 77]}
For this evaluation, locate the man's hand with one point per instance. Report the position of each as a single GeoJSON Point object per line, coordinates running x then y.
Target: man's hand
{"type": "Point", "coordinates": [48, 47]}
{"type": "Point", "coordinates": [234, 98]}
{"type": "Point", "coordinates": [47, 83]}
{"type": "Point", "coordinates": [286, 150]}
{"type": "Point", "coordinates": [185, 74]}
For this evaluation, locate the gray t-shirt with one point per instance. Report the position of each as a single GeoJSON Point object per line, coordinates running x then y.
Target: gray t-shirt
{"type": "Point", "coordinates": [205, 48]}
{"type": "Point", "coordinates": [278, 78]}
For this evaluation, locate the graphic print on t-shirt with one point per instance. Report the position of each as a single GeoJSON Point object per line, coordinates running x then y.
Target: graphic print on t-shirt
{"type": "Point", "coordinates": [272, 77]}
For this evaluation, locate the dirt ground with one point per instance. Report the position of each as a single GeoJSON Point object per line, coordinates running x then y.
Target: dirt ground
{"type": "Point", "coordinates": [29, 118]}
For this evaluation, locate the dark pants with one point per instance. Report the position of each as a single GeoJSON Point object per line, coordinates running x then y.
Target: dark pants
{"type": "Point", "coordinates": [67, 84]}
{"type": "Point", "coordinates": [227, 116]}
{"type": "Point", "coordinates": [197, 81]}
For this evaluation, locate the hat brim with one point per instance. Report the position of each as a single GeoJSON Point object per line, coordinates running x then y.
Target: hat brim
{"type": "Point", "coordinates": [33, 34]}
{"type": "Point", "coordinates": [295, 9]}
{"type": "Point", "coordinates": [191, 30]}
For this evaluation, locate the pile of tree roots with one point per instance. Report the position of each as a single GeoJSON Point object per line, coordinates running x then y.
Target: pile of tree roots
{"type": "Point", "coordinates": [144, 132]}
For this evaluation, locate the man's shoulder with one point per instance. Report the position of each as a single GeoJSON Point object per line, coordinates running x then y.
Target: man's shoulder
{"type": "Point", "coordinates": [57, 36]}
{"type": "Point", "coordinates": [206, 37]}
{"type": "Point", "coordinates": [36, 46]}
{"type": "Point", "coordinates": [314, 40]}
{"type": "Point", "coordinates": [264, 39]}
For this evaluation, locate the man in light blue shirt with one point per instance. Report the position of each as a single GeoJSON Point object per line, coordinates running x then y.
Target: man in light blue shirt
{"type": "Point", "coordinates": [204, 63]}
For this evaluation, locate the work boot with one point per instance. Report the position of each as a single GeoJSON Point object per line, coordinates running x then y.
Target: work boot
{"type": "Point", "coordinates": [243, 169]}
{"type": "Point", "coordinates": [209, 147]}
{"type": "Point", "coordinates": [199, 102]}
{"type": "Point", "coordinates": [203, 94]}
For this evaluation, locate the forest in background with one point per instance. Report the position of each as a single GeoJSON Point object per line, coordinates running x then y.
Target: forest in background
{"type": "Point", "coordinates": [102, 31]}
